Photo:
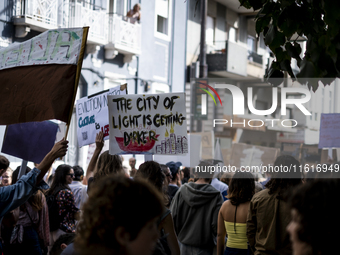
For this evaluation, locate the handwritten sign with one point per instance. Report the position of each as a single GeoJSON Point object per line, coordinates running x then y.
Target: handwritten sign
{"type": "Point", "coordinates": [329, 130]}
{"type": "Point", "coordinates": [148, 124]}
{"type": "Point", "coordinates": [92, 115]}
{"type": "Point", "coordinates": [59, 46]}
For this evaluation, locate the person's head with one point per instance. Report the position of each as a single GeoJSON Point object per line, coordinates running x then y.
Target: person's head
{"type": "Point", "coordinates": [61, 243]}
{"type": "Point", "coordinates": [132, 163]}
{"type": "Point", "coordinates": [167, 173]}
{"type": "Point", "coordinates": [122, 221]}
{"type": "Point", "coordinates": [174, 168]}
{"type": "Point", "coordinates": [315, 221]}
{"type": "Point", "coordinates": [152, 172]}
{"type": "Point", "coordinates": [226, 177]}
{"type": "Point", "coordinates": [78, 173]}
{"type": "Point", "coordinates": [185, 174]}
{"type": "Point", "coordinates": [16, 173]}
{"type": "Point", "coordinates": [241, 188]}
{"type": "Point", "coordinates": [283, 179]}
{"type": "Point", "coordinates": [136, 8]}
{"type": "Point", "coordinates": [108, 164]}
{"type": "Point", "coordinates": [7, 177]}
{"type": "Point", "coordinates": [63, 176]}
{"type": "Point", "coordinates": [4, 164]}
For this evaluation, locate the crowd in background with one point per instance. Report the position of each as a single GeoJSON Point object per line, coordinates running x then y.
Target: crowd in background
{"type": "Point", "coordinates": [164, 208]}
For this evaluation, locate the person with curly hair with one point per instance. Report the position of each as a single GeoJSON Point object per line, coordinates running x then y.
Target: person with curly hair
{"type": "Point", "coordinates": [116, 223]}
{"type": "Point", "coordinates": [315, 221]}
{"type": "Point", "coordinates": [152, 172]}
{"type": "Point", "coordinates": [268, 214]}
{"type": "Point", "coordinates": [232, 217]}
{"type": "Point", "coordinates": [67, 210]}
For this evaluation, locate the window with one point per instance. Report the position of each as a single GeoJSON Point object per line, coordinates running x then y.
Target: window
{"type": "Point", "coordinates": [251, 44]}
{"type": "Point", "coordinates": [118, 7]}
{"type": "Point", "coordinates": [163, 18]}
{"type": "Point", "coordinates": [210, 31]}
{"type": "Point", "coordinates": [232, 33]}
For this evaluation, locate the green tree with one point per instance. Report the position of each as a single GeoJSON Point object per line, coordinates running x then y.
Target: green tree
{"type": "Point", "coordinates": [316, 20]}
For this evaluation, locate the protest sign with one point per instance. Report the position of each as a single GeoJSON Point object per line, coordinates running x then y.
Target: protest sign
{"type": "Point", "coordinates": [148, 124]}
{"type": "Point", "coordinates": [251, 155]}
{"type": "Point", "coordinates": [208, 140]}
{"type": "Point", "coordinates": [92, 115]}
{"type": "Point", "coordinates": [329, 130]}
{"type": "Point", "coordinates": [39, 77]}
{"type": "Point", "coordinates": [30, 141]}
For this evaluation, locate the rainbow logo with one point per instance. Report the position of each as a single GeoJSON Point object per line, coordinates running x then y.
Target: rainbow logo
{"type": "Point", "coordinates": [204, 96]}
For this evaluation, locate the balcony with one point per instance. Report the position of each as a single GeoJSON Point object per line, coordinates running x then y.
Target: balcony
{"type": "Point", "coordinates": [255, 65]}
{"type": "Point", "coordinates": [42, 15]}
{"type": "Point", "coordinates": [123, 37]}
{"type": "Point", "coordinates": [116, 32]}
{"type": "Point", "coordinates": [230, 61]}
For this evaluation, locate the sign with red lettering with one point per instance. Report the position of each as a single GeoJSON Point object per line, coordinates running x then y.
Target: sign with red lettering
{"type": "Point", "coordinates": [148, 124]}
{"type": "Point", "coordinates": [92, 115]}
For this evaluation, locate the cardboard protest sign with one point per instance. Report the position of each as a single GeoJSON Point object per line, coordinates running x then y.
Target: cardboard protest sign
{"type": "Point", "coordinates": [92, 115]}
{"type": "Point", "coordinates": [208, 140]}
{"type": "Point", "coordinates": [148, 124]}
{"type": "Point", "coordinates": [30, 141]}
{"type": "Point", "coordinates": [39, 77]}
{"type": "Point", "coordinates": [251, 155]}
{"type": "Point", "coordinates": [329, 130]}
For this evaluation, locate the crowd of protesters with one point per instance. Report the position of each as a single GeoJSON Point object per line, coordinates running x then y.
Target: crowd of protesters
{"type": "Point", "coordinates": [163, 208]}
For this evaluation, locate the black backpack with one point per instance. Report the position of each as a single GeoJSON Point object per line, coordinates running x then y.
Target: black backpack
{"type": "Point", "coordinates": [53, 210]}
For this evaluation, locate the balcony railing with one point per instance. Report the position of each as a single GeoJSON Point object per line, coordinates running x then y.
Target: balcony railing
{"type": "Point", "coordinates": [124, 35]}
{"type": "Point", "coordinates": [38, 11]}
{"type": "Point", "coordinates": [254, 57]}
{"type": "Point", "coordinates": [50, 14]}
{"type": "Point", "coordinates": [230, 59]}
{"type": "Point", "coordinates": [81, 16]}
{"type": "Point", "coordinates": [114, 31]}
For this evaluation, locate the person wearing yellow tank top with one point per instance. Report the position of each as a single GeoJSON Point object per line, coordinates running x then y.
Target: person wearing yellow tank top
{"type": "Point", "coordinates": [233, 216]}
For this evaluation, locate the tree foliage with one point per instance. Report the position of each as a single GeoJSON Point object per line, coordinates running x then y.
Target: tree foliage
{"type": "Point", "coordinates": [316, 20]}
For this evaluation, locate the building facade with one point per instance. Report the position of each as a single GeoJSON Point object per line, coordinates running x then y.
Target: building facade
{"type": "Point", "coordinates": [148, 55]}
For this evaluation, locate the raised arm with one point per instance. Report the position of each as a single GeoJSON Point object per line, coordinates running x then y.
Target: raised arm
{"type": "Point", "coordinates": [59, 150]}
{"type": "Point", "coordinates": [99, 147]}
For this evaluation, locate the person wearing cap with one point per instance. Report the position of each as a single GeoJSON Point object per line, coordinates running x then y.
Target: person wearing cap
{"type": "Point", "coordinates": [173, 185]}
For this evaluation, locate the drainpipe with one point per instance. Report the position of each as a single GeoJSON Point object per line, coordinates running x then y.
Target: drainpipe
{"type": "Point", "coordinates": [203, 63]}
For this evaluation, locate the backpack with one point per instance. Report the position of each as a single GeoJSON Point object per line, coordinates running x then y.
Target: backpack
{"type": "Point", "coordinates": [53, 210]}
